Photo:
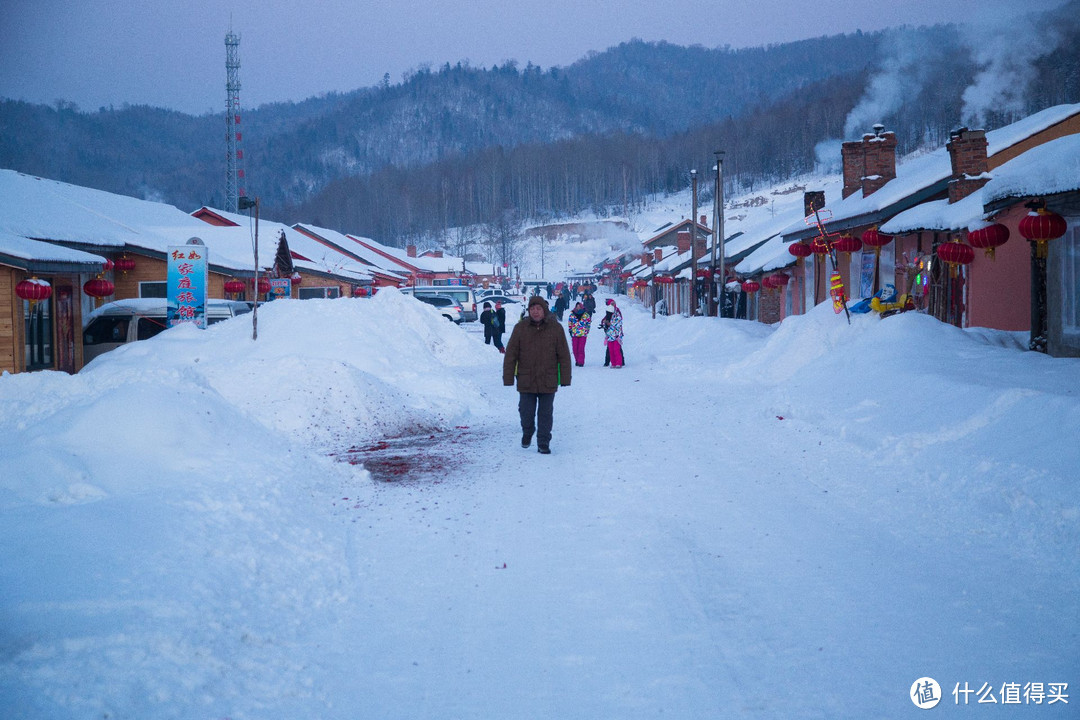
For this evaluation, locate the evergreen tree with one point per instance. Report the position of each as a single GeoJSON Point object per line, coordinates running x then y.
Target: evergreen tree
{"type": "Point", "coordinates": [283, 265]}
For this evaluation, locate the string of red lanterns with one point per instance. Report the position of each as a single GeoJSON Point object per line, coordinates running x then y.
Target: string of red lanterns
{"type": "Point", "coordinates": [98, 287]}
{"type": "Point", "coordinates": [34, 290]}
{"type": "Point", "coordinates": [877, 240]}
{"type": "Point", "coordinates": [234, 286]}
{"type": "Point", "coordinates": [124, 264]}
{"type": "Point", "coordinates": [954, 254]}
{"type": "Point", "coordinates": [988, 238]}
{"type": "Point", "coordinates": [1040, 226]}
{"type": "Point", "coordinates": [800, 249]}
{"type": "Point", "coordinates": [848, 244]}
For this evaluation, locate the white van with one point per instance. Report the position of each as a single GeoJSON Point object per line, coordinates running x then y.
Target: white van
{"type": "Point", "coordinates": [462, 293]}
{"type": "Point", "coordinates": [123, 321]}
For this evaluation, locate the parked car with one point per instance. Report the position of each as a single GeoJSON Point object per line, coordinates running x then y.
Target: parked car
{"type": "Point", "coordinates": [462, 293]}
{"type": "Point", "coordinates": [500, 297]}
{"type": "Point", "coordinates": [123, 321]}
{"type": "Point", "coordinates": [448, 306]}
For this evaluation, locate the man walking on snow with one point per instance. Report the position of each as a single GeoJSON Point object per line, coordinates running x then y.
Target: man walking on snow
{"type": "Point", "coordinates": [539, 356]}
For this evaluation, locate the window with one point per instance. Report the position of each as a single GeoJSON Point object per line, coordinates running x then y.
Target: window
{"type": "Point", "coordinates": [148, 327]}
{"type": "Point", "coordinates": [309, 293]}
{"type": "Point", "coordinates": [153, 290]}
{"type": "Point", "coordinates": [106, 329]}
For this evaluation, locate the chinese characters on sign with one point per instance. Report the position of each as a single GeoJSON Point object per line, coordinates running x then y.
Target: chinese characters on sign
{"type": "Point", "coordinates": [187, 283]}
{"type": "Point", "coordinates": [280, 288]}
{"type": "Point", "coordinates": [926, 693]}
{"type": "Point", "coordinates": [1012, 693]}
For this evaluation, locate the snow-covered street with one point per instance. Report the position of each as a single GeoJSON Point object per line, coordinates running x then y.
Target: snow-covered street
{"type": "Point", "coordinates": [746, 521]}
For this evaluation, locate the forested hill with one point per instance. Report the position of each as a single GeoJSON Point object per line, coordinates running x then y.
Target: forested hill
{"type": "Point", "coordinates": [458, 145]}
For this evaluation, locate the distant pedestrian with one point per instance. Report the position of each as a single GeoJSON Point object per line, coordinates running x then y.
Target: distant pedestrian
{"type": "Point", "coordinates": [498, 325]}
{"type": "Point", "coordinates": [485, 321]}
{"type": "Point", "coordinates": [580, 324]}
{"type": "Point", "coordinates": [539, 357]}
{"type": "Point", "coordinates": [589, 301]}
{"type": "Point", "coordinates": [613, 333]}
{"type": "Point", "coordinates": [561, 304]}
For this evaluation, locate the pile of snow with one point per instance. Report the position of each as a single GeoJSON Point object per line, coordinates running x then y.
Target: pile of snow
{"type": "Point", "coordinates": [797, 520]}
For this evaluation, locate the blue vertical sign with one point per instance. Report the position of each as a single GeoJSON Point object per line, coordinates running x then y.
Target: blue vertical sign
{"type": "Point", "coordinates": [280, 288]}
{"type": "Point", "coordinates": [187, 283]}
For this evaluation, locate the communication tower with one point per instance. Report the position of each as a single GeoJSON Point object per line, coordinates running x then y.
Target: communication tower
{"type": "Point", "coordinates": [234, 173]}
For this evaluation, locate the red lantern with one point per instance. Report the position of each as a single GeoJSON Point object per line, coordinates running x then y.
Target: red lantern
{"type": "Point", "coordinates": [955, 254]}
{"type": "Point", "coordinates": [818, 246]}
{"type": "Point", "coordinates": [98, 287]}
{"type": "Point", "coordinates": [297, 279]}
{"type": "Point", "coordinates": [234, 287]}
{"type": "Point", "coordinates": [848, 244]}
{"type": "Point", "coordinates": [34, 290]}
{"type": "Point", "coordinates": [750, 286]}
{"type": "Point", "coordinates": [800, 249]}
{"type": "Point", "coordinates": [873, 238]}
{"type": "Point", "coordinates": [124, 263]}
{"type": "Point", "coordinates": [989, 237]}
{"type": "Point", "coordinates": [109, 265]}
{"type": "Point", "coordinates": [780, 279]}
{"type": "Point", "coordinates": [1042, 226]}
{"type": "Point", "coordinates": [264, 285]}
{"type": "Point", "coordinates": [359, 292]}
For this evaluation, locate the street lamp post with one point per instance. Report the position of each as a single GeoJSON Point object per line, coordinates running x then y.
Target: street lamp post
{"type": "Point", "coordinates": [718, 230]}
{"type": "Point", "coordinates": [245, 203]}
{"type": "Point", "coordinates": [693, 243]}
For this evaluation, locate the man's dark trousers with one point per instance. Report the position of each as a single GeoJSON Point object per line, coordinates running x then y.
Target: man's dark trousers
{"type": "Point", "coordinates": [536, 415]}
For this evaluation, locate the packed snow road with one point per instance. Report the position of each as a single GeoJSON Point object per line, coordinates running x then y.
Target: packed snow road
{"type": "Point", "coordinates": [744, 521]}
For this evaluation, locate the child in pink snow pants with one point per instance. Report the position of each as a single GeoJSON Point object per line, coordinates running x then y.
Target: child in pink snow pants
{"type": "Point", "coordinates": [613, 333]}
{"type": "Point", "coordinates": [580, 321]}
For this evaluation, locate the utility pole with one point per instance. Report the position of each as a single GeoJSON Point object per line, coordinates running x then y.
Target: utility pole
{"type": "Point", "coordinates": [693, 244]}
{"type": "Point", "coordinates": [718, 230]}
{"type": "Point", "coordinates": [245, 203]}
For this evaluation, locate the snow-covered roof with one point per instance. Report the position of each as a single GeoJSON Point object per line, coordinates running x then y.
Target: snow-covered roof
{"type": "Point", "coordinates": [237, 244]}
{"type": "Point", "coordinates": [445, 264]}
{"type": "Point", "coordinates": [30, 252]}
{"type": "Point", "coordinates": [33, 208]}
{"type": "Point", "coordinates": [1047, 169]}
{"type": "Point", "coordinates": [348, 246]}
{"type": "Point", "coordinates": [924, 175]}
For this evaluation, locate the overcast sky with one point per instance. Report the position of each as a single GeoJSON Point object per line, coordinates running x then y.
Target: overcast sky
{"type": "Point", "coordinates": [171, 53]}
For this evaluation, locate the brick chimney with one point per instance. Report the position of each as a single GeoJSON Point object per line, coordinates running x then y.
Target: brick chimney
{"type": "Point", "coordinates": [436, 253]}
{"type": "Point", "coordinates": [704, 220]}
{"type": "Point", "coordinates": [812, 200]}
{"type": "Point", "coordinates": [869, 163]}
{"type": "Point", "coordinates": [851, 154]}
{"type": "Point", "coordinates": [879, 159]}
{"type": "Point", "coordinates": [646, 258]}
{"type": "Point", "coordinates": [682, 242]}
{"type": "Point", "coordinates": [658, 255]}
{"type": "Point", "coordinates": [967, 153]}
{"type": "Point", "coordinates": [410, 250]}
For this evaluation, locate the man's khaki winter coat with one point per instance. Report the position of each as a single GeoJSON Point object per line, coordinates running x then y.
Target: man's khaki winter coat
{"type": "Point", "coordinates": [537, 354]}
